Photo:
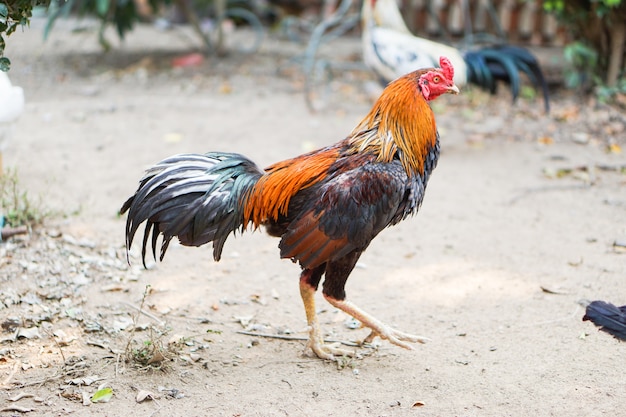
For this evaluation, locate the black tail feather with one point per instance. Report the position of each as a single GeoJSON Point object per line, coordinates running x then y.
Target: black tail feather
{"type": "Point", "coordinates": [505, 63]}
{"type": "Point", "coordinates": [197, 198]}
{"type": "Point", "coordinates": [608, 318]}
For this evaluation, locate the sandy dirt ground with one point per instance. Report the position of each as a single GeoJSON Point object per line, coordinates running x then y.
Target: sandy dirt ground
{"type": "Point", "coordinates": [518, 226]}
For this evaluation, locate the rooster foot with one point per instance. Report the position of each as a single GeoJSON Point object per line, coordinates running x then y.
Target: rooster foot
{"type": "Point", "coordinates": [329, 352]}
{"type": "Point", "coordinates": [378, 327]}
{"type": "Point", "coordinates": [394, 336]}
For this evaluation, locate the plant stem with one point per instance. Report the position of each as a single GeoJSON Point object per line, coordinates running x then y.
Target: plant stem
{"type": "Point", "coordinates": [618, 39]}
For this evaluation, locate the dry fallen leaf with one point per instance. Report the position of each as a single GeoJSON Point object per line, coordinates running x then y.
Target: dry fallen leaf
{"type": "Point", "coordinates": [156, 358]}
{"type": "Point", "coordinates": [226, 88]}
{"type": "Point", "coordinates": [87, 380]}
{"type": "Point", "coordinates": [113, 288]}
{"type": "Point", "coordinates": [552, 290]}
{"type": "Point", "coordinates": [545, 140]}
{"type": "Point", "coordinates": [418, 404]}
{"type": "Point", "coordinates": [172, 392]}
{"type": "Point", "coordinates": [619, 245]}
{"type": "Point", "coordinates": [31, 333]}
{"type": "Point", "coordinates": [144, 395]}
{"type": "Point", "coordinates": [244, 320]}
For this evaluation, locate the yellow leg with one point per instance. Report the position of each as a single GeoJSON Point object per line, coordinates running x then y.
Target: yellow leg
{"type": "Point", "coordinates": [316, 340]}
{"type": "Point", "coordinates": [378, 328]}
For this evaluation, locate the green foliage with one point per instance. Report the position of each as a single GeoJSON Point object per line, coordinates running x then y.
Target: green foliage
{"type": "Point", "coordinates": [595, 56]}
{"type": "Point", "coordinates": [14, 14]}
{"type": "Point", "coordinates": [121, 13]}
{"type": "Point", "coordinates": [607, 94]}
{"type": "Point", "coordinates": [582, 63]}
{"type": "Point", "coordinates": [559, 7]}
{"type": "Point", "coordinates": [15, 204]}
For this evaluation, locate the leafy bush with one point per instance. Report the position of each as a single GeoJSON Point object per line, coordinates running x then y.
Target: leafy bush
{"type": "Point", "coordinates": [13, 14]}
{"type": "Point", "coordinates": [599, 29]}
{"type": "Point", "coordinates": [122, 13]}
{"type": "Point", "coordinates": [16, 205]}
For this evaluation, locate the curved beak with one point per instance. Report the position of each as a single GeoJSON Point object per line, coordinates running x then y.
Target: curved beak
{"type": "Point", "coordinates": [453, 89]}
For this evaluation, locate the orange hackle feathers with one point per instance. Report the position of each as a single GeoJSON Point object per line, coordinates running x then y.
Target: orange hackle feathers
{"type": "Point", "coordinates": [271, 195]}
{"type": "Point", "coordinates": [401, 122]}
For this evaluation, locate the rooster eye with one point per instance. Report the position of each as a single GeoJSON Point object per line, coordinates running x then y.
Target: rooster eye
{"type": "Point", "coordinates": [436, 79]}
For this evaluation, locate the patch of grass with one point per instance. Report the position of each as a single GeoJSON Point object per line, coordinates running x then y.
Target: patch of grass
{"type": "Point", "coordinates": [18, 208]}
{"type": "Point", "coordinates": [151, 352]}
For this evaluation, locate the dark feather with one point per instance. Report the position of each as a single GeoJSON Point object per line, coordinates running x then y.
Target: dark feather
{"type": "Point", "coordinates": [358, 199]}
{"type": "Point", "coordinates": [505, 63]}
{"type": "Point", "coordinates": [608, 318]}
{"type": "Point", "coordinates": [197, 198]}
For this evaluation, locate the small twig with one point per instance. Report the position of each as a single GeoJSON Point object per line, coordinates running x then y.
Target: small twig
{"type": "Point", "coordinates": [96, 344]}
{"type": "Point", "coordinates": [530, 191]}
{"type": "Point", "coordinates": [42, 381]}
{"type": "Point", "coordinates": [117, 365]}
{"type": "Point", "coordinates": [135, 317]}
{"type": "Point", "coordinates": [20, 396]}
{"type": "Point", "coordinates": [16, 408]}
{"type": "Point", "coordinates": [5, 383]}
{"type": "Point", "coordinates": [191, 16]}
{"type": "Point", "coordinates": [8, 232]}
{"type": "Point", "coordinates": [53, 337]}
{"type": "Point", "coordinates": [145, 313]}
{"type": "Point", "coordinates": [285, 337]}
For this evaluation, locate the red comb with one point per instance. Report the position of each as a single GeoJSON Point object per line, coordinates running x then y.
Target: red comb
{"type": "Point", "coordinates": [446, 67]}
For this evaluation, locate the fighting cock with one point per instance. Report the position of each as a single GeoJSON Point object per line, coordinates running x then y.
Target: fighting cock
{"type": "Point", "coordinates": [326, 206]}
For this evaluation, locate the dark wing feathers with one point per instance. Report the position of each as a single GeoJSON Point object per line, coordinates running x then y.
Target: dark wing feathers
{"type": "Point", "coordinates": [504, 63]}
{"type": "Point", "coordinates": [348, 210]}
{"type": "Point", "coordinates": [608, 318]}
{"type": "Point", "coordinates": [197, 198]}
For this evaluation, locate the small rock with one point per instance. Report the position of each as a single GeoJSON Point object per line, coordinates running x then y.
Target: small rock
{"type": "Point", "coordinates": [54, 233]}
{"type": "Point", "coordinates": [581, 138]}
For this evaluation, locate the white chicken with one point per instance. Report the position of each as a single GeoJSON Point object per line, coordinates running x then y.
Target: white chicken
{"type": "Point", "coordinates": [11, 107]}
{"type": "Point", "coordinates": [391, 50]}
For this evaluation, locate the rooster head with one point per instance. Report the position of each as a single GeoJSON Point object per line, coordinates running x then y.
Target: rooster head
{"type": "Point", "coordinates": [438, 81]}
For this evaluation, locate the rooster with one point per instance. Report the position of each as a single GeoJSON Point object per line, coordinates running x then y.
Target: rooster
{"type": "Point", "coordinates": [326, 206]}
{"type": "Point", "coordinates": [390, 50]}
{"type": "Point", "coordinates": [608, 318]}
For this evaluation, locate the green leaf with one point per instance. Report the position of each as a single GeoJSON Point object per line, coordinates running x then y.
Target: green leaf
{"type": "Point", "coordinates": [102, 396]}
{"type": "Point", "coordinates": [5, 64]}
{"type": "Point", "coordinates": [4, 11]}
{"type": "Point", "coordinates": [102, 7]}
